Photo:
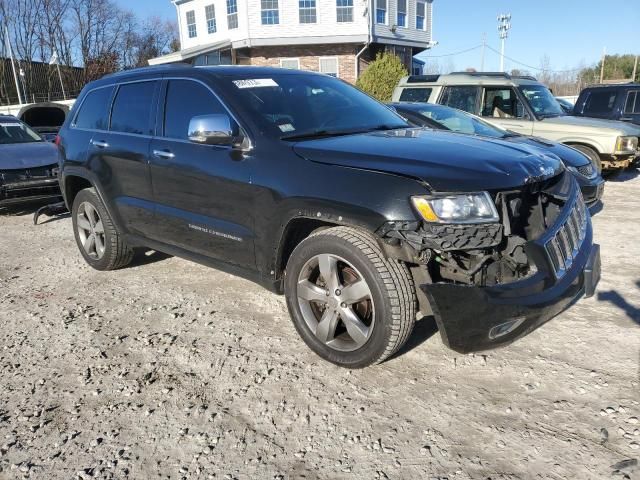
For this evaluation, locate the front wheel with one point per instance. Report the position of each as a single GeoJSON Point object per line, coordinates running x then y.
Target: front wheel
{"type": "Point", "coordinates": [350, 304]}
{"type": "Point", "coordinates": [592, 155]}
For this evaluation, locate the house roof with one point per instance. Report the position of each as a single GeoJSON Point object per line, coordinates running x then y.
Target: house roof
{"type": "Point", "coordinates": [188, 53]}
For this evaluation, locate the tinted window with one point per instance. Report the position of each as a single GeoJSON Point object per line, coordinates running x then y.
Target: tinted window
{"type": "Point", "coordinates": [132, 108]}
{"type": "Point", "coordinates": [415, 94]}
{"type": "Point", "coordinates": [462, 98]}
{"type": "Point", "coordinates": [94, 112]}
{"type": "Point", "coordinates": [187, 99]}
{"type": "Point", "coordinates": [633, 102]}
{"type": "Point", "coordinates": [600, 102]}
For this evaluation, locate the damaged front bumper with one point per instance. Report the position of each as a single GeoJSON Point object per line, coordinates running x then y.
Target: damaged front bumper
{"type": "Point", "coordinates": [472, 318]}
{"type": "Point", "coordinates": [20, 186]}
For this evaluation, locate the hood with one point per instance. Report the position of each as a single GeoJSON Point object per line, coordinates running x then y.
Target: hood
{"type": "Point", "coordinates": [569, 156]}
{"type": "Point", "coordinates": [17, 156]}
{"type": "Point", "coordinates": [597, 124]}
{"type": "Point", "coordinates": [446, 161]}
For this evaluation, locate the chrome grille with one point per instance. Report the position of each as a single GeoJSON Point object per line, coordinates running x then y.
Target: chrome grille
{"type": "Point", "coordinates": [565, 244]}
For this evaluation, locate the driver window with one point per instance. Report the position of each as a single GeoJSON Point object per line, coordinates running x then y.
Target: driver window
{"type": "Point", "coordinates": [501, 103]}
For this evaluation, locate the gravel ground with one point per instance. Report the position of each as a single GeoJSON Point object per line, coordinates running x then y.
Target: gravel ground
{"type": "Point", "coordinates": [171, 370]}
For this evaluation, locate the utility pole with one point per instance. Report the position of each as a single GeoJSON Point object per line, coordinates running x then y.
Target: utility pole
{"type": "Point", "coordinates": [604, 56]}
{"type": "Point", "coordinates": [504, 25]}
{"type": "Point", "coordinates": [635, 70]}
{"type": "Point", "coordinates": [484, 47]}
{"type": "Point", "coordinates": [13, 66]}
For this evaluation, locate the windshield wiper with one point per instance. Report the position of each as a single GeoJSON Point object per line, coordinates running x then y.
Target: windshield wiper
{"type": "Point", "coordinates": [322, 133]}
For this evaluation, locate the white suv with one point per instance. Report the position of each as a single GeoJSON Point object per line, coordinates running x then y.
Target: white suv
{"type": "Point", "coordinates": [524, 105]}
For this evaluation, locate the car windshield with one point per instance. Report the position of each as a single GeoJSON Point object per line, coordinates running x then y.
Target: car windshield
{"type": "Point", "coordinates": [16, 132]}
{"type": "Point", "coordinates": [541, 101]}
{"type": "Point", "coordinates": [463, 122]}
{"type": "Point", "coordinates": [294, 106]}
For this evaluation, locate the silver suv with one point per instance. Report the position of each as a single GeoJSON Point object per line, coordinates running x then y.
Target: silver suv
{"type": "Point", "coordinates": [524, 105]}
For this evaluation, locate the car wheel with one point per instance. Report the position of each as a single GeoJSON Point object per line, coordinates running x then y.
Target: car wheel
{"type": "Point", "coordinates": [98, 239]}
{"type": "Point", "coordinates": [350, 304]}
{"type": "Point", "coordinates": [593, 156]}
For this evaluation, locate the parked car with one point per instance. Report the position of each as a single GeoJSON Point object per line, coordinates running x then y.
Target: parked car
{"type": "Point", "coordinates": [306, 185]}
{"type": "Point", "coordinates": [446, 118]}
{"type": "Point", "coordinates": [566, 105]}
{"type": "Point", "coordinates": [611, 102]}
{"type": "Point", "coordinates": [28, 164]}
{"type": "Point", "coordinates": [44, 118]}
{"type": "Point", "coordinates": [523, 105]}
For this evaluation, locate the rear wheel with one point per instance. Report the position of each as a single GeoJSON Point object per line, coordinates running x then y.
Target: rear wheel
{"type": "Point", "coordinates": [98, 239]}
{"type": "Point", "coordinates": [593, 156]}
{"type": "Point", "coordinates": [350, 305]}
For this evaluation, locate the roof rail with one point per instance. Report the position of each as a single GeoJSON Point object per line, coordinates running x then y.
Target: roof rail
{"type": "Point", "coordinates": [151, 68]}
{"type": "Point", "coordinates": [483, 74]}
{"type": "Point", "coordinates": [422, 78]}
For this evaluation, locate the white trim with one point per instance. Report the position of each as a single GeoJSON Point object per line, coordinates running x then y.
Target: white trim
{"type": "Point", "coordinates": [290, 59]}
{"type": "Point", "coordinates": [337, 59]}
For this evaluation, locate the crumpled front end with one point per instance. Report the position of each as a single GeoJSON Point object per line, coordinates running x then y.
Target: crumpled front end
{"type": "Point", "coordinates": [489, 284]}
{"type": "Point", "coordinates": [29, 184]}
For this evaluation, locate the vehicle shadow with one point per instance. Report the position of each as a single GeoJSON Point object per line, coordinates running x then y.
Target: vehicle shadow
{"type": "Point", "coordinates": [424, 329]}
{"type": "Point", "coordinates": [144, 256]}
{"type": "Point", "coordinates": [619, 301]}
{"type": "Point", "coordinates": [624, 175]}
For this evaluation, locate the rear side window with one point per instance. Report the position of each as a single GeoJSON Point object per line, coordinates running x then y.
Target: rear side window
{"type": "Point", "coordinates": [132, 108]}
{"type": "Point", "coordinates": [633, 102]}
{"type": "Point", "coordinates": [94, 111]}
{"type": "Point", "coordinates": [187, 99]}
{"type": "Point", "coordinates": [415, 94]}
{"type": "Point", "coordinates": [462, 98]}
{"type": "Point", "coordinates": [600, 102]}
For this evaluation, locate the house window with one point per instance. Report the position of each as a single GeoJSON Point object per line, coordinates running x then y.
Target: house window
{"type": "Point", "coordinates": [420, 15]}
{"type": "Point", "coordinates": [307, 11]}
{"type": "Point", "coordinates": [344, 11]}
{"type": "Point", "coordinates": [381, 11]}
{"type": "Point", "coordinates": [292, 63]}
{"type": "Point", "coordinates": [210, 11]}
{"type": "Point", "coordinates": [191, 24]}
{"type": "Point", "coordinates": [329, 66]}
{"type": "Point", "coordinates": [232, 14]}
{"type": "Point", "coordinates": [402, 13]}
{"type": "Point", "coordinates": [270, 14]}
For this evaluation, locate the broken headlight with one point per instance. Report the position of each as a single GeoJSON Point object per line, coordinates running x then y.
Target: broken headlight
{"type": "Point", "coordinates": [457, 208]}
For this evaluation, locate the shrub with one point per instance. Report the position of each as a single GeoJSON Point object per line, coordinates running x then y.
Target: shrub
{"type": "Point", "coordinates": [382, 76]}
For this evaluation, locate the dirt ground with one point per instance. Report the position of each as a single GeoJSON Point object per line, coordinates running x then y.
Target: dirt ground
{"type": "Point", "coordinates": [171, 370]}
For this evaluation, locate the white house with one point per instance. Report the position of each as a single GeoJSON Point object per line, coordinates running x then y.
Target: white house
{"type": "Point", "coordinates": [338, 37]}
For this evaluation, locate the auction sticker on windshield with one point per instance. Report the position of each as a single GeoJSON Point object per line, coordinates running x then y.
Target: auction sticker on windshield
{"type": "Point", "coordinates": [255, 83]}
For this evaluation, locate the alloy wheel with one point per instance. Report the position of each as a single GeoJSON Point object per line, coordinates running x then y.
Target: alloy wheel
{"type": "Point", "coordinates": [336, 302]}
{"type": "Point", "coordinates": [90, 230]}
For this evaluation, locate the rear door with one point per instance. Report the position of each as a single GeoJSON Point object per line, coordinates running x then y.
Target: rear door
{"type": "Point", "coordinates": [120, 156]}
{"type": "Point", "coordinates": [631, 112]}
{"type": "Point", "coordinates": [462, 97]}
{"type": "Point", "coordinates": [203, 193]}
{"type": "Point", "coordinates": [600, 103]}
{"type": "Point", "coordinates": [503, 106]}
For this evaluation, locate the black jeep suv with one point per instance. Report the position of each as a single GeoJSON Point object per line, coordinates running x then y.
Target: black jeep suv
{"type": "Point", "coordinates": [309, 187]}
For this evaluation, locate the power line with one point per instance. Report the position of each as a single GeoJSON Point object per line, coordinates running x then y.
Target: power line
{"type": "Point", "coordinates": [535, 68]}
{"type": "Point", "coordinates": [454, 54]}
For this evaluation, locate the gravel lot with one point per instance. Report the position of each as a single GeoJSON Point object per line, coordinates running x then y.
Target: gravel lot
{"type": "Point", "coordinates": [171, 370]}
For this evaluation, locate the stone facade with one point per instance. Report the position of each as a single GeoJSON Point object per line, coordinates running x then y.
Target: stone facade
{"type": "Point", "coordinates": [308, 57]}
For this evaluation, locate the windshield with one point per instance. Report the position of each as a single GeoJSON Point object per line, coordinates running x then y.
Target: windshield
{"type": "Point", "coordinates": [462, 122]}
{"type": "Point", "coordinates": [298, 105]}
{"type": "Point", "coordinates": [16, 132]}
{"type": "Point", "coordinates": [541, 101]}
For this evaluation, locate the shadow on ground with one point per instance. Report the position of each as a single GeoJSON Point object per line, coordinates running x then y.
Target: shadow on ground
{"type": "Point", "coordinates": [424, 329]}
{"type": "Point", "coordinates": [619, 301]}
{"type": "Point", "coordinates": [147, 257]}
{"type": "Point", "coordinates": [623, 175]}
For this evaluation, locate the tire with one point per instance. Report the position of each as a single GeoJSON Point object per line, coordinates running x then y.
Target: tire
{"type": "Point", "coordinates": [90, 217]}
{"type": "Point", "coordinates": [386, 316]}
{"type": "Point", "coordinates": [593, 156]}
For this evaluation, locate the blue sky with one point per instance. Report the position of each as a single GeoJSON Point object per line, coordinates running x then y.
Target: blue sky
{"type": "Point", "coordinates": [568, 31]}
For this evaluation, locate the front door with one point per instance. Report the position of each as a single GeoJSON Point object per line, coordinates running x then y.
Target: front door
{"type": "Point", "coordinates": [503, 107]}
{"type": "Point", "coordinates": [202, 192]}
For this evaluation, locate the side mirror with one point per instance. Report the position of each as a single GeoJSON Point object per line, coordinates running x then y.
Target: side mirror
{"type": "Point", "coordinates": [212, 129]}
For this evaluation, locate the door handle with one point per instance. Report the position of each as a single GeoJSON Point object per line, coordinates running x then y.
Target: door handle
{"type": "Point", "coordinates": [165, 154]}
{"type": "Point", "coordinates": [99, 144]}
